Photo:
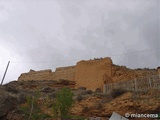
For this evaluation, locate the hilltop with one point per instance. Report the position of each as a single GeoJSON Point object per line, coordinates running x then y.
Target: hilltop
{"type": "Point", "coordinates": [86, 80]}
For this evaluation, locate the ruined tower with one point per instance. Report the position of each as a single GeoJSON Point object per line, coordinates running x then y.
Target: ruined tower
{"type": "Point", "coordinates": [158, 68]}
{"type": "Point", "coordinates": [93, 74]}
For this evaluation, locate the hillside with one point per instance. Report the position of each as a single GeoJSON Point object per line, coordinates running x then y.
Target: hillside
{"type": "Point", "coordinates": [87, 103]}
{"type": "Point", "coordinates": [87, 81]}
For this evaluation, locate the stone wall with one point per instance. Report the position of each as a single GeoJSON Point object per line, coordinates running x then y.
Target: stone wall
{"type": "Point", "coordinates": [65, 73]}
{"type": "Point", "coordinates": [91, 74]}
{"type": "Point", "coordinates": [37, 75]}
{"type": "Point", "coordinates": [158, 69]}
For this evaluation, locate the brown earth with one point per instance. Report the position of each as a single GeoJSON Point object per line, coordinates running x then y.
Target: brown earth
{"type": "Point", "coordinates": [142, 103]}
{"type": "Point", "coordinates": [87, 103]}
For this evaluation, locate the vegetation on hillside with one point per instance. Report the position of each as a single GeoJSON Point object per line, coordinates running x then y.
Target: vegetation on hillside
{"type": "Point", "coordinates": [63, 103]}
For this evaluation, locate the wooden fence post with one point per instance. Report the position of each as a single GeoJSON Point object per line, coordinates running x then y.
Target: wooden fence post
{"type": "Point", "coordinates": [110, 88]}
{"type": "Point", "coordinates": [104, 88]}
{"type": "Point", "coordinates": [135, 84]}
{"type": "Point", "coordinates": [150, 84]}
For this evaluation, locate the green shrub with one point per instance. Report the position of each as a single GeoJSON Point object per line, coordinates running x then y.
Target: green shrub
{"type": "Point", "coordinates": [63, 103]}
{"type": "Point", "coordinates": [32, 109]}
{"type": "Point", "coordinates": [117, 92]}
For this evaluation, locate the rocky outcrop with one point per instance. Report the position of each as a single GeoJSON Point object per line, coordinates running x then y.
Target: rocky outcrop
{"type": "Point", "coordinates": [7, 102]}
{"type": "Point", "coordinates": [104, 106]}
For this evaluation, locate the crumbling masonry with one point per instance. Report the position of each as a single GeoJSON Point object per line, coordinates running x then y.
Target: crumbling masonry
{"type": "Point", "coordinates": [91, 74]}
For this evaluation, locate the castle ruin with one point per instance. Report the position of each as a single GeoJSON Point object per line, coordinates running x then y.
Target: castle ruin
{"type": "Point", "coordinates": [91, 74]}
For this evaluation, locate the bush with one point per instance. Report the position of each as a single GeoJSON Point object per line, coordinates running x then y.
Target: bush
{"type": "Point", "coordinates": [12, 89]}
{"type": "Point", "coordinates": [117, 92]}
{"type": "Point", "coordinates": [98, 90]}
{"type": "Point", "coordinates": [32, 109]}
{"type": "Point", "coordinates": [82, 88]}
{"type": "Point", "coordinates": [63, 103]}
{"type": "Point", "coordinates": [52, 95]}
{"type": "Point", "coordinates": [22, 98]}
{"type": "Point", "coordinates": [47, 90]}
{"type": "Point", "coordinates": [65, 82]}
{"type": "Point", "coordinates": [89, 92]}
{"type": "Point", "coordinates": [79, 98]}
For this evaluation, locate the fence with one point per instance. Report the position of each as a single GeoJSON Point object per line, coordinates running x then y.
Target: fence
{"type": "Point", "coordinates": [141, 84]}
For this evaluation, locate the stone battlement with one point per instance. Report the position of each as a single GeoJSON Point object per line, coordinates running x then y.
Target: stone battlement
{"type": "Point", "coordinates": [66, 73]}
{"type": "Point", "coordinates": [65, 68]}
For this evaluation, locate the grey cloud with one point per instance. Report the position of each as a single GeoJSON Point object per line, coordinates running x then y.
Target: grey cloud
{"type": "Point", "coordinates": [66, 30]}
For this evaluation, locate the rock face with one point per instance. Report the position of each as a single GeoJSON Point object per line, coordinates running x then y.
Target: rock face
{"type": "Point", "coordinates": [7, 103]}
{"type": "Point", "coordinates": [91, 74]}
{"type": "Point", "coordinates": [103, 106]}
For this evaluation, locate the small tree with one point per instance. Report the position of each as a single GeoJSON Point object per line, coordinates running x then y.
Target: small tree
{"type": "Point", "coordinates": [32, 108]}
{"type": "Point", "coordinates": [63, 103]}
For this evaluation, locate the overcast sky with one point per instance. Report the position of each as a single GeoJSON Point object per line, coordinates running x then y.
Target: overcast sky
{"type": "Point", "coordinates": [45, 34]}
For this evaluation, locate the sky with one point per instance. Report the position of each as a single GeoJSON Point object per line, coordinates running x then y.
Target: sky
{"type": "Point", "coordinates": [45, 34]}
